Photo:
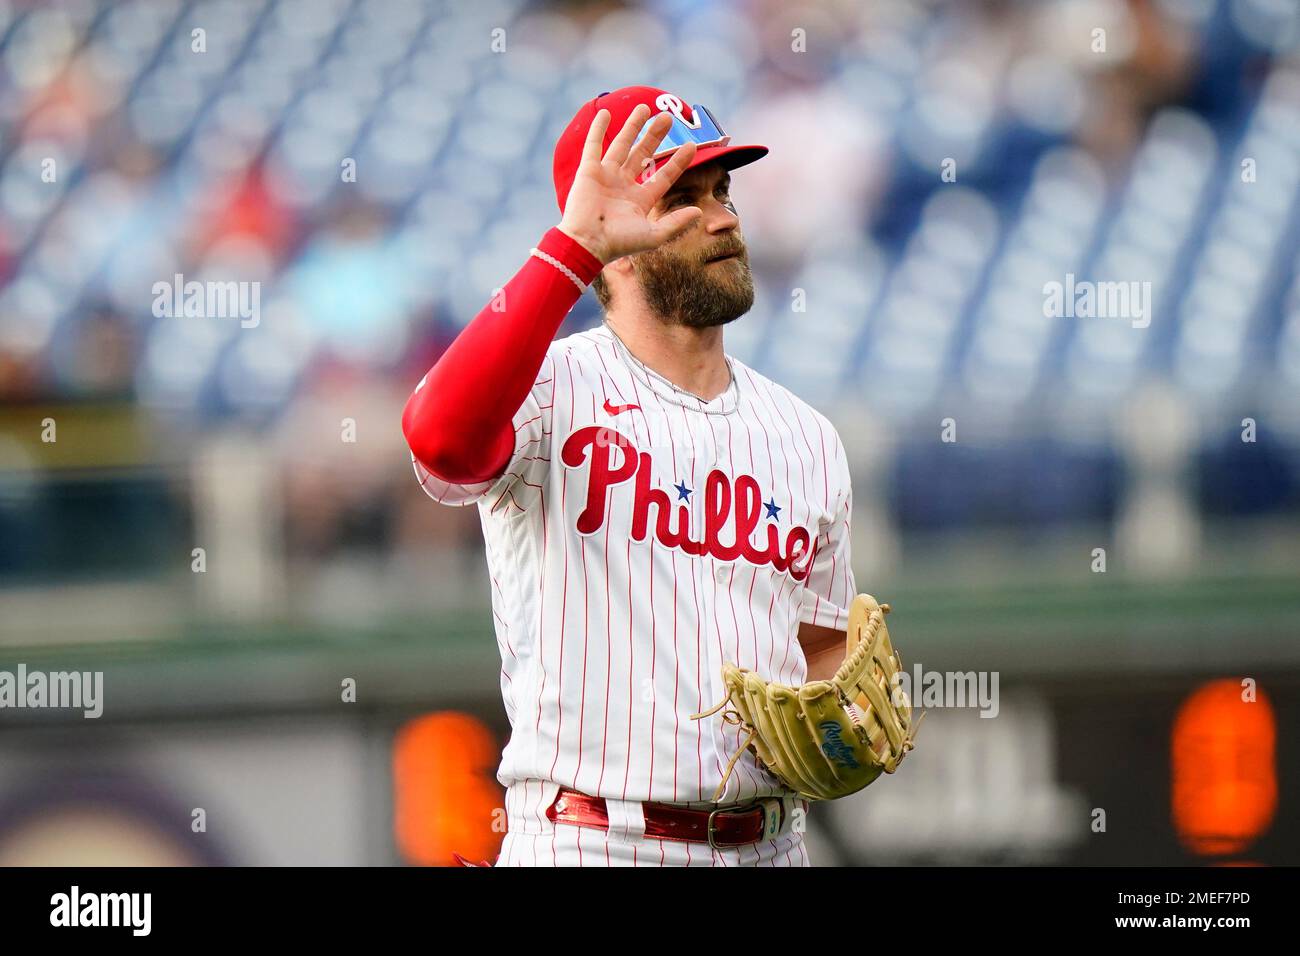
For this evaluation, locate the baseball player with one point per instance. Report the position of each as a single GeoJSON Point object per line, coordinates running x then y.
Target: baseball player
{"type": "Point", "coordinates": [653, 509]}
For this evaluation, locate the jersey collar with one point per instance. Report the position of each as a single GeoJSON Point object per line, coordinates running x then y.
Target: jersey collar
{"type": "Point", "coordinates": [724, 404]}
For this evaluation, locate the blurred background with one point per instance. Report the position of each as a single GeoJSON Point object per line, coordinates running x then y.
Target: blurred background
{"type": "Point", "coordinates": [218, 512]}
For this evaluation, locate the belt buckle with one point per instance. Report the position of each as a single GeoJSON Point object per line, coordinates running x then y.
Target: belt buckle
{"type": "Point", "coordinates": [773, 814]}
{"type": "Point", "coordinates": [709, 829]}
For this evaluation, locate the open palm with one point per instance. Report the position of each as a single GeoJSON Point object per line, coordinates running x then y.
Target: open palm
{"type": "Point", "coordinates": [608, 209]}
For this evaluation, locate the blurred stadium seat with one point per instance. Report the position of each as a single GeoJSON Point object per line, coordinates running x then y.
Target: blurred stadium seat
{"type": "Point", "coordinates": [227, 161]}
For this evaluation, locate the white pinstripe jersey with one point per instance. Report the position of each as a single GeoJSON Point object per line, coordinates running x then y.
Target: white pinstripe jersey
{"type": "Point", "coordinates": [639, 538]}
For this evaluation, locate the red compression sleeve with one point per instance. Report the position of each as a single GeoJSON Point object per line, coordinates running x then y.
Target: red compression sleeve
{"type": "Point", "coordinates": [460, 424]}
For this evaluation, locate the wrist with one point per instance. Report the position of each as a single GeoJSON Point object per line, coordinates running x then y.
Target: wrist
{"type": "Point", "coordinates": [571, 254]}
{"type": "Point", "coordinates": [588, 243]}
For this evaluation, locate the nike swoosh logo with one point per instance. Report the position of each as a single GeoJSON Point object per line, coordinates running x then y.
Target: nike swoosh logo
{"type": "Point", "coordinates": [615, 409]}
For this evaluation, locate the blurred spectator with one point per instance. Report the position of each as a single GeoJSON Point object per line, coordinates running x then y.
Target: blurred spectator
{"type": "Point", "coordinates": [921, 287]}
{"type": "Point", "coordinates": [353, 287]}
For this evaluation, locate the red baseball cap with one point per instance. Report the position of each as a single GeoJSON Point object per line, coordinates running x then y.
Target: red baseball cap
{"type": "Point", "coordinates": [690, 123]}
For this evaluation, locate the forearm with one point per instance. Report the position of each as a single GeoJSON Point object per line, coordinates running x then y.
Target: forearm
{"type": "Point", "coordinates": [823, 649]}
{"type": "Point", "coordinates": [823, 664]}
{"type": "Point", "coordinates": [459, 422]}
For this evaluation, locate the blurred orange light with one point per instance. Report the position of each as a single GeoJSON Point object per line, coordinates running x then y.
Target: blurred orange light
{"type": "Point", "coordinates": [444, 790]}
{"type": "Point", "coordinates": [1224, 772]}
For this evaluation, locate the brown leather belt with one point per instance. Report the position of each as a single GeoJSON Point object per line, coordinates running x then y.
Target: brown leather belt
{"type": "Point", "coordinates": [720, 828]}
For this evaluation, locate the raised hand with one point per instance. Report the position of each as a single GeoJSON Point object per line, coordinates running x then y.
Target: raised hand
{"type": "Point", "coordinates": [608, 209]}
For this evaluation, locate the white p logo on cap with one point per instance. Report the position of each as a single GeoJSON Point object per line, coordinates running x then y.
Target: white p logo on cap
{"type": "Point", "coordinates": [671, 104]}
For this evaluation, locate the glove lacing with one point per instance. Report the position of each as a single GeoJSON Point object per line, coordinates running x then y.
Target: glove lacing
{"type": "Point", "coordinates": [734, 718]}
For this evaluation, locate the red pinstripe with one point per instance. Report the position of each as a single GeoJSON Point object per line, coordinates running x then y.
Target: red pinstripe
{"type": "Point", "coordinates": [505, 628]}
{"type": "Point", "coordinates": [540, 657]}
{"type": "Point", "coordinates": [636, 392]}
{"type": "Point", "coordinates": [564, 597]}
{"type": "Point", "coordinates": [826, 501]}
{"type": "Point", "coordinates": [696, 566]}
{"type": "Point", "coordinates": [631, 661]}
{"type": "Point", "coordinates": [765, 394]}
{"type": "Point", "coordinates": [586, 610]}
{"type": "Point", "coordinates": [631, 647]}
{"type": "Point", "coordinates": [825, 487]}
{"type": "Point", "coordinates": [771, 466]}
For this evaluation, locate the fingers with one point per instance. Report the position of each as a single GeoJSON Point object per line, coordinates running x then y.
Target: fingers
{"type": "Point", "coordinates": [667, 174]}
{"type": "Point", "coordinates": [641, 154]}
{"type": "Point", "coordinates": [675, 223]}
{"type": "Point", "coordinates": [616, 155]}
{"type": "Point", "coordinates": [595, 136]}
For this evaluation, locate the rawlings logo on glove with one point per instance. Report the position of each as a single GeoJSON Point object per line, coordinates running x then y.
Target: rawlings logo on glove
{"type": "Point", "coordinates": [835, 749]}
{"type": "Point", "coordinates": [827, 739]}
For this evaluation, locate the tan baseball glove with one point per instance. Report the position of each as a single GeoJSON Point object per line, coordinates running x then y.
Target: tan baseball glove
{"type": "Point", "coordinates": [827, 739]}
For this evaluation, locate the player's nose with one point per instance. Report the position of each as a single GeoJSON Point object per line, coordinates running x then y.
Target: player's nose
{"type": "Point", "coordinates": [720, 216]}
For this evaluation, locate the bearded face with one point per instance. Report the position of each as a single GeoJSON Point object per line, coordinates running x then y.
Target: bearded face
{"type": "Point", "coordinates": [697, 287]}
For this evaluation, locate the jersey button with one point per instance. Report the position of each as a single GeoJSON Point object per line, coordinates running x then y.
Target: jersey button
{"type": "Point", "coordinates": [721, 572]}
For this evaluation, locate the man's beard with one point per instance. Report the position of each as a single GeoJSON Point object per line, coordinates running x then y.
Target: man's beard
{"type": "Point", "coordinates": [684, 289]}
